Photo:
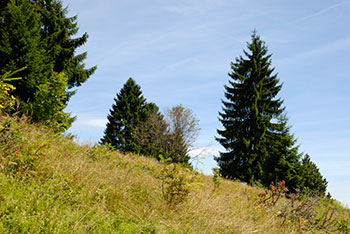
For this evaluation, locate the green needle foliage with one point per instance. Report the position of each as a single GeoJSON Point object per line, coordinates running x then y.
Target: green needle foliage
{"type": "Point", "coordinates": [312, 178]}
{"type": "Point", "coordinates": [21, 46]}
{"type": "Point", "coordinates": [37, 34]}
{"type": "Point", "coordinates": [57, 31]}
{"type": "Point", "coordinates": [258, 143]}
{"type": "Point", "coordinates": [248, 112]}
{"type": "Point", "coordinates": [283, 161]}
{"type": "Point", "coordinates": [128, 112]}
{"type": "Point", "coordinates": [152, 134]}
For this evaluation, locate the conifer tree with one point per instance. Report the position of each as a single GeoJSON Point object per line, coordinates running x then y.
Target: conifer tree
{"type": "Point", "coordinates": [21, 46]}
{"type": "Point", "coordinates": [56, 31]}
{"type": "Point", "coordinates": [37, 34]}
{"type": "Point", "coordinates": [257, 139]}
{"type": "Point", "coordinates": [152, 134]}
{"type": "Point", "coordinates": [128, 112]}
{"type": "Point", "coordinates": [247, 114]}
{"type": "Point", "coordinates": [311, 177]}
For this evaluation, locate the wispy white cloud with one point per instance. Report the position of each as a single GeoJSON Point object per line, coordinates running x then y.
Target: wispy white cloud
{"type": "Point", "coordinates": [325, 10]}
{"type": "Point", "coordinates": [193, 7]}
{"type": "Point", "coordinates": [203, 158]}
{"type": "Point", "coordinates": [326, 49]}
{"type": "Point", "coordinates": [88, 127]}
{"type": "Point", "coordinates": [171, 68]}
{"type": "Point", "coordinates": [85, 119]}
{"type": "Point", "coordinates": [338, 168]}
{"type": "Point", "coordinates": [95, 122]}
{"type": "Point", "coordinates": [205, 150]}
{"type": "Point", "coordinates": [342, 44]}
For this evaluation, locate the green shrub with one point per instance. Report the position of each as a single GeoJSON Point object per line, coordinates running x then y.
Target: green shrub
{"type": "Point", "coordinates": [216, 177]}
{"type": "Point", "coordinates": [178, 182]}
{"type": "Point", "coordinates": [7, 101]}
{"type": "Point", "coordinates": [49, 102]}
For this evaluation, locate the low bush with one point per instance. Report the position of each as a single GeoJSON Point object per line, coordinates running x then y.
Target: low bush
{"type": "Point", "coordinates": [178, 182]}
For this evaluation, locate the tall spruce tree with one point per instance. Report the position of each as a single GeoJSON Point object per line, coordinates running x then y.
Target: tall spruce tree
{"type": "Point", "coordinates": [127, 114]}
{"type": "Point", "coordinates": [256, 136]}
{"type": "Point", "coordinates": [248, 113]}
{"type": "Point", "coordinates": [37, 34]}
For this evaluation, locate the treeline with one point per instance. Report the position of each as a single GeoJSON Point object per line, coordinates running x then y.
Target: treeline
{"type": "Point", "coordinates": [139, 127]}
{"type": "Point", "coordinates": [41, 69]}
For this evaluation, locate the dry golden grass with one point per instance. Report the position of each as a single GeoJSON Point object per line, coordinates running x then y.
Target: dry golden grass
{"type": "Point", "coordinates": [89, 189]}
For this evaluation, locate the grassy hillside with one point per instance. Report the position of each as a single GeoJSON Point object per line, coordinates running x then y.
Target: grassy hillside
{"type": "Point", "coordinates": [49, 184]}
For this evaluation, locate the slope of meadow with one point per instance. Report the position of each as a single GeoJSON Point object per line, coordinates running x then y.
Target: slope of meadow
{"type": "Point", "coordinates": [49, 184]}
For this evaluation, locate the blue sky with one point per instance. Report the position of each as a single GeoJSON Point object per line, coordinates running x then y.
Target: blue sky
{"type": "Point", "coordinates": [179, 52]}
